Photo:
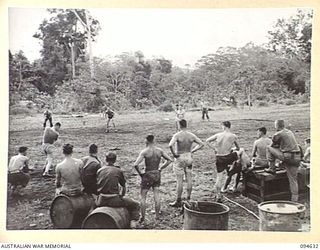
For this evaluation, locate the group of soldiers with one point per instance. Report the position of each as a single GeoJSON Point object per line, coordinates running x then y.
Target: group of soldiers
{"type": "Point", "coordinates": [107, 183]}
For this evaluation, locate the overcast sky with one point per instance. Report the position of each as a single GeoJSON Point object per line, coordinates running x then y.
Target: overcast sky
{"type": "Point", "coordinates": [180, 35]}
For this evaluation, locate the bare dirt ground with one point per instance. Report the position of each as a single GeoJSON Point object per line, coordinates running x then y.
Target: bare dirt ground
{"type": "Point", "coordinates": [31, 211]}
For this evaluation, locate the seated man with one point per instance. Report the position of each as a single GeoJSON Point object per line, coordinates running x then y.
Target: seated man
{"type": "Point", "coordinates": [91, 164]}
{"type": "Point", "coordinates": [108, 180]}
{"type": "Point", "coordinates": [18, 170]}
{"type": "Point", "coordinates": [286, 149]}
{"type": "Point", "coordinates": [259, 152]}
{"type": "Point", "coordinates": [306, 157]}
{"type": "Point", "coordinates": [68, 180]}
{"type": "Point", "coordinates": [238, 167]}
{"type": "Point", "coordinates": [304, 165]}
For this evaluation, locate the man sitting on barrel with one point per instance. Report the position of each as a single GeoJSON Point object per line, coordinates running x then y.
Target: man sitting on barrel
{"type": "Point", "coordinates": [89, 170]}
{"type": "Point", "coordinates": [285, 148]}
{"type": "Point", "coordinates": [68, 180]}
{"type": "Point", "coordinates": [108, 180]}
{"type": "Point", "coordinates": [18, 171]}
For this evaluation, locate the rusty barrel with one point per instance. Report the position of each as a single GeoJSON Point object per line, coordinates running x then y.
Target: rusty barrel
{"type": "Point", "coordinates": [69, 212]}
{"type": "Point", "coordinates": [285, 216]}
{"type": "Point", "coordinates": [107, 218]}
{"type": "Point", "coordinates": [207, 216]}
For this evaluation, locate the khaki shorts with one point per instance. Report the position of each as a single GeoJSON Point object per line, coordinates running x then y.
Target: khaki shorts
{"type": "Point", "coordinates": [48, 149]}
{"type": "Point", "coordinates": [183, 164]}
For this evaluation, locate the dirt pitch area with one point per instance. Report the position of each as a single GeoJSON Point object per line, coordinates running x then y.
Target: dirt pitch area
{"type": "Point", "coordinates": [31, 211]}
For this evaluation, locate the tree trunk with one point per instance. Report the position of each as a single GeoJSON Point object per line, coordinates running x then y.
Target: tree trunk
{"type": "Point", "coordinates": [90, 46]}
{"type": "Point", "coordinates": [72, 62]}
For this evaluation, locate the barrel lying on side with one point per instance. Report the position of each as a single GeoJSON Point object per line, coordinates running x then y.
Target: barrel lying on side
{"type": "Point", "coordinates": [69, 212]}
{"type": "Point", "coordinates": [107, 218]}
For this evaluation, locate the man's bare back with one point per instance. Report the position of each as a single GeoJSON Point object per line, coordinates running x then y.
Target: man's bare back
{"type": "Point", "coordinates": [184, 141]}
{"type": "Point", "coordinates": [152, 158]}
{"type": "Point", "coordinates": [224, 142]}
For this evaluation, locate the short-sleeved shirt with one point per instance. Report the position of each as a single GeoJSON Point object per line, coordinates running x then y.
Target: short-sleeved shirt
{"type": "Point", "coordinates": [286, 141]}
{"type": "Point", "coordinates": [224, 142]}
{"type": "Point", "coordinates": [108, 180]}
{"type": "Point", "coordinates": [17, 163]}
{"type": "Point", "coordinates": [89, 170]}
{"type": "Point", "coordinates": [47, 114]}
{"type": "Point", "coordinates": [68, 174]}
{"type": "Point", "coordinates": [50, 135]}
{"type": "Point", "coordinates": [261, 145]}
{"type": "Point", "coordinates": [110, 114]}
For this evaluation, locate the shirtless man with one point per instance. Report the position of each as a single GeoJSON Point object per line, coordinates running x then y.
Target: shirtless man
{"type": "Point", "coordinates": [110, 114]}
{"type": "Point", "coordinates": [50, 136]}
{"type": "Point", "coordinates": [259, 152]}
{"type": "Point", "coordinates": [152, 177]}
{"type": "Point", "coordinates": [180, 112]}
{"type": "Point", "coordinates": [68, 174]}
{"type": "Point", "coordinates": [183, 159]}
{"type": "Point", "coordinates": [224, 155]}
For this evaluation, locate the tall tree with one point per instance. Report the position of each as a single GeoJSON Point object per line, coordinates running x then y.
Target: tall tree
{"type": "Point", "coordinates": [292, 36]}
{"type": "Point", "coordinates": [64, 41]}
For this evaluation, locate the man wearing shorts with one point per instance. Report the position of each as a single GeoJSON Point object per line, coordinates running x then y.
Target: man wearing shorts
{"type": "Point", "coordinates": [285, 148]}
{"type": "Point", "coordinates": [18, 170]}
{"type": "Point", "coordinates": [152, 177]}
{"type": "Point", "coordinates": [110, 114]}
{"type": "Point", "coordinates": [68, 179]}
{"type": "Point", "coordinates": [224, 155]}
{"type": "Point", "coordinates": [238, 167]}
{"type": "Point", "coordinates": [180, 112]}
{"type": "Point", "coordinates": [50, 136]}
{"type": "Point", "coordinates": [259, 152]}
{"type": "Point", "coordinates": [109, 178]}
{"type": "Point", "coordinates": [205, 110]}
{"type": "Point", "coordinates": [47, 117]}
{"type": "Point", "coordinates": [183, 140]}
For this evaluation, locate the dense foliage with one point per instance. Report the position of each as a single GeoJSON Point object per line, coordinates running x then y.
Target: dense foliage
{"type": "Point", "coordinates": [275, 72]}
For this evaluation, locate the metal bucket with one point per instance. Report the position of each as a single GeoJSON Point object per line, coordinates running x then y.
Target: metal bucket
{"type": "Point", "coordinates": [207, 216]}
{"type": "Point", "coordinates": [107, 218]}
{"type": "Point", "coordinates": [284, 216]}
{"type": "Point", "coordinates": [69, 212]}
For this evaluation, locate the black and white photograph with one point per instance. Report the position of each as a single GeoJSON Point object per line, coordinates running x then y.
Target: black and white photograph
{"type": "Point", "coordinates": [159, 119]}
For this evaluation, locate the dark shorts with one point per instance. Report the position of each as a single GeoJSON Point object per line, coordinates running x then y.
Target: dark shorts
{"type": "Point", "coordinates": [237, 168]}
{"type": "Point", "coordinates": [151, 179]}
{"type": "Point", "coordinates": [110, 117]}
{"type": "Point", "coordinates": [225, 160]}
{"type": "Point", "coordinates": [18, 179]}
